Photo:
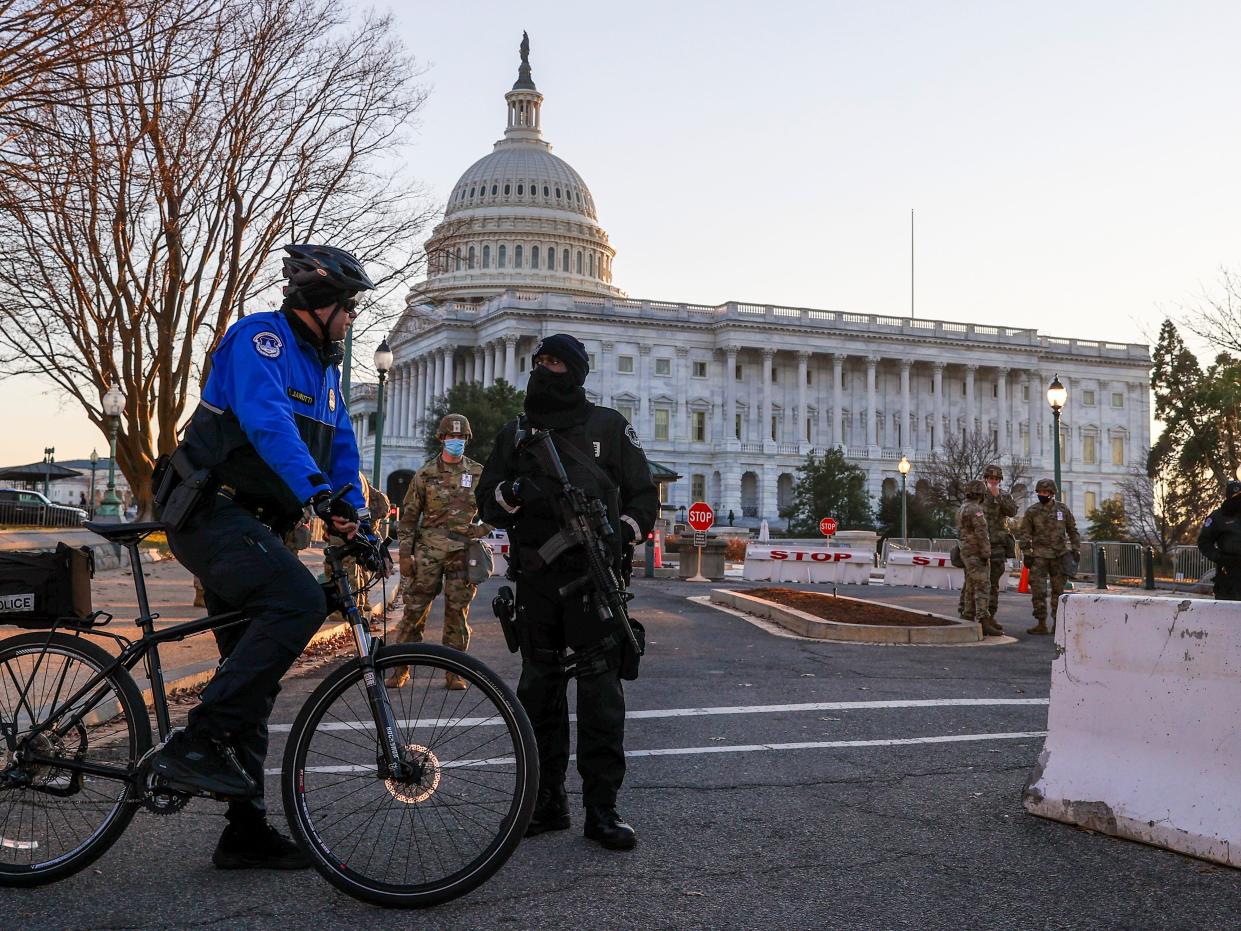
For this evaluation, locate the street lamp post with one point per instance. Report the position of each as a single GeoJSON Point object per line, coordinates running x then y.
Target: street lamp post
{"type": "Point", "coordinates": [94, 464]}
{"type": "Point", "coordinates": [113, 404]}
{"type": "Point", "coordinates": [383, 364]}
{"type": "Point", "coordinates": [1057, 396]}
{"type": "Point", "coordinates": [49, 456]}
{"type": "Point", "coordinates": [903, 467]}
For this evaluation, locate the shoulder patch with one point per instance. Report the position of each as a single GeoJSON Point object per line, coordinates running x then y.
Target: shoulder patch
{"type": "Point", "coordinates": [1208, 522]}
{"type": "Point", "coordinates": [268, 344]}
{"type": "Point", "coordinates": [633, 436]}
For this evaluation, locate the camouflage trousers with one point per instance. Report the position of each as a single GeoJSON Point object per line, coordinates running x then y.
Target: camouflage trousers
{"type": "Point", "coordinates": [1046, 569]}
{"type": "Point", "coordinates": [965, 604]}
{"type": "Point", "coordinates": [433, 571]}
{"type": "Point", "coordinates": [976, 593]}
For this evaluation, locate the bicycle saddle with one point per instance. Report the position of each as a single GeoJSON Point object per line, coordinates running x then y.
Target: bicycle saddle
{"type": "Point", "coordinates": [124, 534]}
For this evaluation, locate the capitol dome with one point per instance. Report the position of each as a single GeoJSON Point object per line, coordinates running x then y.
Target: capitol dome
{"type": "Point", "coordinates": [518, 218]}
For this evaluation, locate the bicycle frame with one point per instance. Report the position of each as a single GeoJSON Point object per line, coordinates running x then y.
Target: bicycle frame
{"type": "Point", "coordinates": [147, 648]}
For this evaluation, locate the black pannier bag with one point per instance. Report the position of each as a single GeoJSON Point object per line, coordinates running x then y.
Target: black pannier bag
{"type": "Point", "coordinates": [42, 589]}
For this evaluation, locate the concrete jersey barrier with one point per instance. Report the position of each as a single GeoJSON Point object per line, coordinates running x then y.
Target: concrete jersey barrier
{"type": "Point", "coordinates": [778, 563]}
{"type": "Point", "coordinates": [922, 570]}
{"type": "Point", "coordinates": [1143, 737]}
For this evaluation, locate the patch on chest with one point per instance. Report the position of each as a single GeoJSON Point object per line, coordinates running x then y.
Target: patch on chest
{"type": "Point", "coordinates": [467, 480]}
{"type": "Point", "coordinates": [331, 399]}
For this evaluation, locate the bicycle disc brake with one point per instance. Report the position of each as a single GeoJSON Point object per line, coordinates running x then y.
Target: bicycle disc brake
{"type": "Point", "coordinates": [422, 785]}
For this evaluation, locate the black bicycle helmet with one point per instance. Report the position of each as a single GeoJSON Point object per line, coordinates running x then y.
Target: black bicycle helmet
{"type": "Point", "coordinates": [324, 267]}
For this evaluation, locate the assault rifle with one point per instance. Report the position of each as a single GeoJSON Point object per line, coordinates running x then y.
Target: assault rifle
{"type": "Point", "coordinates": [584, 522]}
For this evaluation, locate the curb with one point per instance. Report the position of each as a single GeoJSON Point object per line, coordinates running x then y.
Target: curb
{"type": "Point", "coordinates": [807, 625]}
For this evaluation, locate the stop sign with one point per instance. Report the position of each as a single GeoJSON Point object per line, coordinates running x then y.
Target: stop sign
{"type": "Point", "coordinates": [827, 526]}
{"type": "Point", "coordinates": [701, 517]}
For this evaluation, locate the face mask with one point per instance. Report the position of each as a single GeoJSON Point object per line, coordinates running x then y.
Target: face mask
{"type": "Point", "coordinates": [1043, 499]}
{"type": "Point", "coordinates": [454, 447]}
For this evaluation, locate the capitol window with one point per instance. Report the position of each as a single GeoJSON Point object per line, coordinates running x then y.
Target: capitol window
{"type": "Point", "coordinates": [592, 361]}
{"type": "Point", "coordinates": [557, 193]}
{"type": "Point", "coordinates": [470, 261]}
{"type": "Point", "coordinates": [775, 374]}
{"type": "Point", "coordinates": [579, 261]}
{"type": "Point", "coordinates": [564, 260]}
{"type": "Point", "coordinates": [737, 376]}
{"type": "Point", "coordinates": [1118, 450]}
{"type": "Point", "coordinates": [471, 192]}
{"type": "Point", "coordinates": [534, 256]}
{"type": "Point", "coordinates": [521, 189]}
{"type": "Point", "coordinates": [737, 426]}
{"type": "Point", "coordinates": [1118, 399]}
{"type": "Point", "coordinates": [626, 410]}
{"type": "Point", "coordinates": [486, 256]}
{"type": "Point", "coordinates": [700, 370]}
{"type": "Point", "coordinates": [517, 257]}
{"type": "Point", "coordinates": [700, 426]}
{"type": "Point", "coordinates": [663, 366]}
{"type": "Point", "coordinates": [506, 190]}
{"type": "Point", "coordinates": [1090, 454]}
{"type": "Point", "coordinates": [1088, 398]}
{"type": "Point", "coordinates": [661, 424]}
{"type": "Point", "coordinates": [545, 194]}
{"type": "Point", "coordinates": [697, 486]}
{"type": "Point", "coordinates": [458, 267]}
{"type": "Point", "coordinates": [503, 257]}
{"type": "Point", "coordinates": [624, 365]}
{"type": "Point", "coordinates": [493, 190]}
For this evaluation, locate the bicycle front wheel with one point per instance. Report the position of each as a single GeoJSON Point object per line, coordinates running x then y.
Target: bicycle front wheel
{"type": "Point", "coordinates": [435, 836]}
{"type": "Point", "coordinates": [57, 819]}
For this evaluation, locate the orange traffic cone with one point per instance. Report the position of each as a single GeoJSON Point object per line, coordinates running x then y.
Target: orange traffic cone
{"type": "Point", "coordinates": [1023, 587]}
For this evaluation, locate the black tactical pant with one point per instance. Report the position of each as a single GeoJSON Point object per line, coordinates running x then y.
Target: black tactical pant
{"type": "Point", "coordinates": [1228, 583]}
{"type": "Point", "coordinates": [243, 566]}
{"type": "Point", "coordinates": [549, 624]}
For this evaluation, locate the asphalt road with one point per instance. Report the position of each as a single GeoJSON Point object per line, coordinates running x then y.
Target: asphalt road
{"type": "Point", "coordinates": [767, 816]}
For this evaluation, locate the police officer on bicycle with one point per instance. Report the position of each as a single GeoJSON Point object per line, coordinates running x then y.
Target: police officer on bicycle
{"type": "Point", "coordinates": [602, 456]}
{"type": "Point", "coordinates": [274, 439]}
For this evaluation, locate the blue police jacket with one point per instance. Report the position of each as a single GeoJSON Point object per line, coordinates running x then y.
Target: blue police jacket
{"type": "Point", "coordinates": [272, 423]}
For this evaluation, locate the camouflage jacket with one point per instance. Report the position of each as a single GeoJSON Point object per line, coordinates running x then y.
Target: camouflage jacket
{"type": "Point", "coordinates": [998, 508]}
{"type": "Point", "coordinates": [972, 531]}
{"type": "Point", "coordinates": [1048, 530]}
{"type": "Point", "coordinates": [439, 508]}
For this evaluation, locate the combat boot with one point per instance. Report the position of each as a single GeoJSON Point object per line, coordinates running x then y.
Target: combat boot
{"type": "Point", "coordinates": [1040, 627]}
{"type": "Point", "coordinates": [397, 678]}
{"type": "Point", "coordinates": [990, 628]}
{"type": "Point", "coordinates": [455, 682]}
{"type": "Point", "coordinates": [551, 811]}
{"type": "Point", "coordinates": [604, 825]}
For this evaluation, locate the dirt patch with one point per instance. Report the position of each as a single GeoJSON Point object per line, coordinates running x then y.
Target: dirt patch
{"type": "Point", "coordinates": [845, 610]}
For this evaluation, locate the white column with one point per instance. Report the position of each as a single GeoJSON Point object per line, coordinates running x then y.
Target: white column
{"type": "Point", "coordinates": [1040, 452]}
{"type": "Point", "coordinates": [872, 363]}
{"type": "Point", "coordinates": [907, 444]}
{"type": "Point", "coordinates": [1001, 390]}
{"type": "Point", "coordinates": [604, 371]}
{"type": "Point", "coordinates": [437, 377]}
{"type": "Point", "coordinates": [646, 419]}
{"type": "Point", "coordinates": [510, 359]}
{"type": "Point", "coordinates": [449, 360]}
{"type": "Point", "coordinates": [682, 385]}
{"type": "Point", "coordinates": [838, 369]}
{"type": "Point", "coordinates": [938, 439]}
{"type": "Point", "coordinates": [399, 375]}
{"type": "Point", "coordinates": [803, 359]}
{"type": "Point", "coordinates": [730, 393]}
{"type": "Point", "coordinates": [489, 364]}
{"type": "Point", "coordinates": [971, 404]}
{"type": "Point", "coordinates": [764, 416]}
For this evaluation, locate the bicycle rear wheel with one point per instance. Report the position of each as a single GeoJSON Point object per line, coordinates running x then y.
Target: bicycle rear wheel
{"type": "Point", "coordinates": [430, 839]}
{"type": "Point", "coordinates": [55, 821]}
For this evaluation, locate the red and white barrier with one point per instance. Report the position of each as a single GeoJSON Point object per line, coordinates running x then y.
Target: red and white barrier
{"type": "Point", "coordinates": [806, 564]}
{"type": "Point", "coordinates": [498, 541]}
{"type": "Point", "coordinates": [1142, 736]}
{"type": "Point", "coordinates": [922, 570]}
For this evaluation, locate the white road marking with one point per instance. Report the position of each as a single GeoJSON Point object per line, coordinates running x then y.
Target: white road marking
{"type": "Point", "coordinates": [699, 712]}
{"type": "Point", "coordinates": [736, 748]}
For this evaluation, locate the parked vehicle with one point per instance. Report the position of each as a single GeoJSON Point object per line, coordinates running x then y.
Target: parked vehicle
{"type": "Point", "coordinates": [18, 506]}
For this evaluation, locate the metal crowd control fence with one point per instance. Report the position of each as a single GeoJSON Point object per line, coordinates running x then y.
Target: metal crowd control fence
{"type": "Point", "coordinates": [1124, 563]}
{"type": "Point", "coordinates": [15, 514]}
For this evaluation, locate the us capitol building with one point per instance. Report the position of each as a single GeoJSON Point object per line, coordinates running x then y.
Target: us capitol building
{"type": "Point", "coordinates": [730, 396]}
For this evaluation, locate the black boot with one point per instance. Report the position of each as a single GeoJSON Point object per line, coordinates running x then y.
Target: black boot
{"type": "Point", "coordinates": [604, 825]}
{"type": "Point", "coordinates": [257, 846]}
{"type": "Point", "coordinates": [194, 762]}
{"type": "Point", "coordinates": [551, 811]}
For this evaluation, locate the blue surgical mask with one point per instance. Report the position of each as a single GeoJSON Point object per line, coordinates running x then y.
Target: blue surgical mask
{"type": "Point", "coordinates": [454, 447]}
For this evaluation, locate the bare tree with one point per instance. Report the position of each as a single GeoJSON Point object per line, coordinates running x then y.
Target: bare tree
{"type": "Point", "coordinates": [139, 220]}
{"type": "Point", "coordinates": [961, 459]}
{"type": "Point", "coordinates": [1217, 317]}
{"type": "Point", "coordinates": [1163, 510]}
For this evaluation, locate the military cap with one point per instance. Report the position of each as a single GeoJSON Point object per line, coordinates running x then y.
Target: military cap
{"type": "Point", "coordinates": [993, 471]}
{"type": "Point", "coordinates": [975, 489]}
{"type": "Point", "coordinates": [1045, 485]}
{"type": "Point", "coordinates": [454, 423]}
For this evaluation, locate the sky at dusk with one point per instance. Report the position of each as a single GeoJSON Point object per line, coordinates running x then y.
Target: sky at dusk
{"type": "Point", "coordinates": [1072, 166]}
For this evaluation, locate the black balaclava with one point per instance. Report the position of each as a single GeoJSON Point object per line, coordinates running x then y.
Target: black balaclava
{"type": "Point", "coordinates": [555, 400]}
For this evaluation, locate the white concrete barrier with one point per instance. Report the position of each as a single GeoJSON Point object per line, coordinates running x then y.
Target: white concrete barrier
{"type": "Point", "coordinates": [1143, 739]}
{"type": "Point", "coordinates": [922, 570]}
{"type": "Point", "coordinates": [777, 563]}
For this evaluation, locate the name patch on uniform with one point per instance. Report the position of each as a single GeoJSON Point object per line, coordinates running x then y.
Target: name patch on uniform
{"type": "Point", "coordinates": [597, 446]}
{"type": "Point", "coordinates": [300, 396]}
{"type": "Point", "coordinates": [1060, 515]}
{"type": "Point", "coordinates": [331, 399]}
{"type": "Point", "coordinates": [467, 480]}
{"type": "Point", "coordinates": [633, 436]}
{"type": "Point", "coordinates": [268, 344]}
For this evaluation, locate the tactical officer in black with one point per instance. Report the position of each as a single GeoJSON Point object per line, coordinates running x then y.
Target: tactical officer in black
{"type": "Point", "coordinates": [603, 456]}
{"type": "Point", "coordinates": [1220, 541]}
{"type": "Point", "coordinates": [270, 438]}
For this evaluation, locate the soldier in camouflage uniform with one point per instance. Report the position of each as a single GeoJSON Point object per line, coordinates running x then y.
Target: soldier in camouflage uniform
{"type": "Point", "coordinates": [999, 506]}
{"type": "Point", "coordinates": [436, 524]}
{"type": "Point", "coordinates": [976, 553]}
{"type": "Point", "coordinates": [1047, 533]}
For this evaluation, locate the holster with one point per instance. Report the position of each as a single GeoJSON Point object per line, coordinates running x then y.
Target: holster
{"type": "Point", "coordinates": [629, 659]}
{"type": "Point", "coordinates": [179, 488]}
{"type": "Point", "coordinates": [503, 605]}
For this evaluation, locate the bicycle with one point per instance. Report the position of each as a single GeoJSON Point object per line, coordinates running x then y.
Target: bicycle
{"type": "Point", "coordinates": [399, 806]}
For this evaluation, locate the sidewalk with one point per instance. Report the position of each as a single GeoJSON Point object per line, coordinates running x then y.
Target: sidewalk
{"type": "Point", "coordinates": [170, 591]}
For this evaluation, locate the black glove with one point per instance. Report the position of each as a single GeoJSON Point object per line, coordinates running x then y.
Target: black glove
{"type": "Point", "coordinates": [628, 535]}
{"type": "Point", "coordinates": [519, 491]}
{"type": "Point", "coordinates": [326, 508]}
{"type": "Point", "coordinates": [1028, 561]}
